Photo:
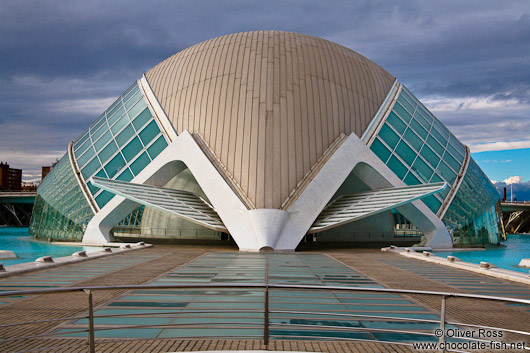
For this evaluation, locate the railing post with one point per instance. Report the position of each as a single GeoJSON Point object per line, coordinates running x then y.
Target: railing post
{"type": "Point", "coordinates": [266, 319]}
{"type": "Point", "coordinates": [441, 340]}
{"type": "Point", "coordinates": [91, 341]}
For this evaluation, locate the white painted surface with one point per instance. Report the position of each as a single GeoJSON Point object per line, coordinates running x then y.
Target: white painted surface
{"type": "Point", "coordinates": [7, 254]}
{"type": "Point", "coordinates": [524, 263]}
{"type": "Point", "coordinates": [267, 225]}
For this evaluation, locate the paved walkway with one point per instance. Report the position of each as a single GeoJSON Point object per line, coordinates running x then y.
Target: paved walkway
{"type": "Point", "coordinates": [160, 262]}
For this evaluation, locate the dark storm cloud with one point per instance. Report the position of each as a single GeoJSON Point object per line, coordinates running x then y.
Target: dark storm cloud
{"type": "Point", "coordinates": [62, 62]}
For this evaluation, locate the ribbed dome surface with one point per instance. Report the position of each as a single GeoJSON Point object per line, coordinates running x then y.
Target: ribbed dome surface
{"type": "Point", "coordinates": [268, 104]}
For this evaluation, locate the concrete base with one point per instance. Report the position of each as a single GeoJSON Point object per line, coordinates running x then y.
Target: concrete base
{"type": "Point", "coordinates": [7, 254]}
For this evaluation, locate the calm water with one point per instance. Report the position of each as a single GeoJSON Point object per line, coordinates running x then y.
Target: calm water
{"type": "Point", "coordinates": [27, 249]}
{"type": "Point", "coordinates": [517, 248]}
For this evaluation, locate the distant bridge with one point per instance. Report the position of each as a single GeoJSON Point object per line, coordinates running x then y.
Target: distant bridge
{"type": "Point", "coordinates": [16, 207]}
{"type": "Point", "coordinates": [516, 216]}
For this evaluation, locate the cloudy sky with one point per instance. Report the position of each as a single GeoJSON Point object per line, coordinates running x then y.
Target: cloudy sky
{"type": "Point", "coordinates": [63, 62]}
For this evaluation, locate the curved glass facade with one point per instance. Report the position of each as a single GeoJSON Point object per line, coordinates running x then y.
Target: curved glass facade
{"type": "Point", "coordinates": [474, 214]}
{"type": "Point", "coordinates": [120, 143]}
{"type": "Point", "coordinates": [418, 148]}
{"type": "Point", "coordinates": [61, 210]}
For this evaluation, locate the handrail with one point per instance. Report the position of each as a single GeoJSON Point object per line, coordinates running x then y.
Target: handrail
{"type": "Point", "coordinates": [267, 311]}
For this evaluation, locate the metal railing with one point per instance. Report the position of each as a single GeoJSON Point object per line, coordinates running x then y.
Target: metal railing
{"type": "Point", "coordinates": [441, 333]}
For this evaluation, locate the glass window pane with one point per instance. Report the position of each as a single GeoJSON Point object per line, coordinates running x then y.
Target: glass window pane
{"type": "Point", "coordinates": [132, 149]}
{"type": "Point", "coordinates": [126, 175]}
{"type": "Point", "coordinates": [90, 168]}
{"type": "Point", "coordinates": [142, 119]}
{"type": "Point", "coordinates": [447, 173]}
{"type": "Point", "coordinates": [435, 145]}
{"type": "Point", "coordinates": [430, 156]}
{"type": "Point", "coordinates": [438, 136]}
{"type": "Point", "coordinates": [103, 198]}
{"type": "Point", "coordinates": [432, 202]}
{"type": "Point", "coordinates": [97, 124]}
{"type": "Point", "coordinates": [136, 109]}
{"type": "Point", "coordinates": [419, 129]}
{"type": "Point", "coordinates": [108, 151]}
{"type": "Point", "coordinates": [435, 179]}
{"type": "Point", "coordinates": [115, 165]}
{"type": "Point", "coordinates": [92, 188]}
{"type": "Point", "coordinates": [452, 162]}
{"type": "Point", "coordinates": [149, 132]}
{"type": "Point", "coordinates": [389, 136]}
{"type": "Point", "coordinates": [411, 179]}
{"type": "Point", "coordinates": [397, 167]}
{"type": "Point", "coordinates": [422, 169]}
{"type": "Point", "coordinates": [403, 114]}
{"type": "Point", "coordinates": [159, 145]}
{"type": "Point", "coordinates": [421, 119]}
{"type": "Point", "coordinates": [125, 135]}
{"type": "Point", "coordinates": [124, 120]}
{"type": "Point", "coordinates": [380, 150]}
{"type": "Point", "coordinates": [455, 154]}
{"type": "Point", "coordinates": [86, 157]}
{"type": "Point", "coordinates": [405, 152]}
{"type": "Point", "coordinates": [406, 104]}
{"type": "Point", "coordinates": [130, 100]}
{"type": "Point", "coordinates": [396, 122]}
{"type": "Point", "coordinates": [81, 140]}
{"type": "Point", "coordinates": [116, 115]}
{"type": "Point", "coordinates": [139, 164]}
{"type": "Point", "coordinates": [425, 113]}
{"type": "Point", "coordinates": [114, 107]}
{"type": "Point", "coordinates": [413, 139]}
{"type": "Point", "coordinates": [100, 132]}
{"type": "Point", "coordinates": [83, 148]}
{"type": "Point", "coordinates": [102, 141]}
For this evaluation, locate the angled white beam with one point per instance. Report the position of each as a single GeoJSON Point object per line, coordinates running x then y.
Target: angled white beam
{"type": "Point", "coordinates": [179, 202]}
{"type": "Point", "coordinates": [349, 208]}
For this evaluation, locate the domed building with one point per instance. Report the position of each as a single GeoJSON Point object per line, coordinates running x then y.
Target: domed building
{"type": "Point", "coordinates": [269, 138]}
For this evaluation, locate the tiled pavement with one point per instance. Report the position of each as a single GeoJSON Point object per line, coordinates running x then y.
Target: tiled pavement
{"type": "Point", "coordinates": [161, 265]}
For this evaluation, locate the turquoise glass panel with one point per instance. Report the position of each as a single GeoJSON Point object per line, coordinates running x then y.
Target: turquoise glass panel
{"type": "Point", "coordinates": [420, 130]}
{"type": "Point", "coordinates": [438, 137]}
{"type": "Point", "coordinates": [96, 135]}
{"type": "Point", "coordinates": [413, 139]}
{"type": "Point", "coordinates": [81, 161]}
{"type": "Point", "coordinates": [422, 120]}
{"type": "Point", "coordinates": [425, 113]}
{"type": "Point", "coordinates": [447, 173]}
{"type": "Point", "coordinates": [397, 167]}
{"type": "Point", "coordinates": [102, 174]}
{"type": "Point", "coordinates": [129, 102]}
{"type": "Point", "coordinates": [396, 122]}
{"type": "Point", "coordinates": [132, 149]}
{"type": "Point", "coordinates": [156, 147]}
{"type": "Point", "coordinates": [142, 119]}
{"type": "Point", "coordinates": [103, 141]}
{"type": "Point", "coordinates": [423, 170]}
{"type": "Point", "coordinates": [126, 175]}
{"type": "Point", "coordinates": [97, 124]}
{"type": "Point", "coordinates": [90, 168]}
{"type": "Point", "coordinates": [124, 120]}
{"type": "Point", "coordinates": [405, 152]}
{"type": "Point", "coordinates": [149, 132]}
{"type": "Point", "coordinates": [455, 153]}
{"type": "Point", "coordinates": [103, 198]}
{"type": "Point", "coordinates": [403, 114]}
{"type": "Point", "coordinates": [432, 202]}
{"type": "Point", "coordinates": [436, 179]}
{"type": "Point", "coordinates": [115, 165]}
{"type": "Point", "coordinates": [410, 179]}
{"type": "Point", "coordinates": [113, 109]}
{"type": "Point", "coordinates": [108, 152]}
{"type": "Point", "coordinates": [430, 156]}
{"type": "Point", "coordinates": [389, 136]}
{"type": "Point", "coordinates": [380, 150]}
{"type": "Point", "coordinates": [140, 163]}
{"type": "Point", "coordinates": [452, 162]}
{"type": "Point", "coordinates": [435, 145]}
{"type": "Point", "coordinates": [125, 135]}
{"type": "Point", "coordinates": [138, 107]}
{"type": "Point", "coordinates": [117, 115]}
{"type": "Point", "coordinates": [92, 188]}
{"type": "Point", "coordinates": [82, 139]}
{"type": "Point", "coordinates": [83, 147]}
{"type": "Point", "coordinates": [406, 104]}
